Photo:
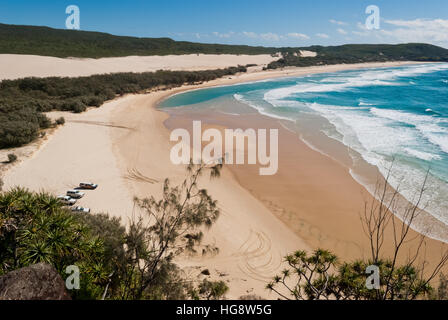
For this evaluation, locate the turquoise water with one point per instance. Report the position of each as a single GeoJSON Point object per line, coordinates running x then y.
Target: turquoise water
{"type": "Point", "coordinates": [388, 115]}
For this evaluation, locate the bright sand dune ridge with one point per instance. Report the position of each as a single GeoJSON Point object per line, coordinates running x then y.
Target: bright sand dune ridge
{"type": "Point", "coordinates": [124, 147]}
{"type": "Point", "coordinates": [15, 66]}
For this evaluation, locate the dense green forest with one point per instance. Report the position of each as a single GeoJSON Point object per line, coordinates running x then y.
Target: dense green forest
{"type": "Point", "coordinates": [359, 53]}
{"type": "Point", "coordinates": [86, 44]}
{"type": "Point", "coordinates": [23, 101]}
{"type": "Point", "coordinates": [71, 43]}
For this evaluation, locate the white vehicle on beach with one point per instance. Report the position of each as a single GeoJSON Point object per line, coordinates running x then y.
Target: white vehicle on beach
{"type": "Point", "coordinates": [88, 185]}
{"type": "Point", "coordinates": [80, 209]}
{"type": "Point", "coordinates": [76, 194]}
{"type": "Point", "coordinates": [66, 200]}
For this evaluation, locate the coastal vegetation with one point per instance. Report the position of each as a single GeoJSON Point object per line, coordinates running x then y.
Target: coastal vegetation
{"type": "Point", "coordinates": [115, 262]}
{"type": "Point", "coordinates": [34, 227]}
{"type": "Point", "coordinates": [362, 53]}
{"type": "Point", "coordinates": [442, 291]}
{"type": "Point", "coordinates": [59, 121]}
{"type": "Point", "coordinates": [23, 101]}
{"type": "Point", "coordinates": [321, 276]}
{"type": "Point", "coordinates": [12, 157]}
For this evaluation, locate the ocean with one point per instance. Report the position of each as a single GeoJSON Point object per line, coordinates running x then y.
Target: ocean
{"type": "Point", "coordinates": [394, 118]}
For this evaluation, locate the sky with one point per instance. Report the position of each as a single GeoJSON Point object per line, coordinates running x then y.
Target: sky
{"type": "Point", "coordinates": [253, 22]}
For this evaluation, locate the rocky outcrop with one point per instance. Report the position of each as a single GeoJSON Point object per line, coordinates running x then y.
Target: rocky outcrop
{"type": "Point", "coordinates": [37, 282]}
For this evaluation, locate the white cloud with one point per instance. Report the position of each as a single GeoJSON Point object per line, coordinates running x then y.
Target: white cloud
{"type": "Point", "coordinates": [341, 31]}
{"type": "Point", "coordinates": [360, 33]}
{"type": "Point", "coordinates": [298, 35]}
{"type": "Point", "coordinates": [433, 31]}
{"type": "Point", "coordinates": [363, 31]}
{"type": "Point", "coordinates": [274, 37]}
{"type": "Point", "coordinates": [418, 30]}
{"type": "Point", "coordinates": [420, 23]}
{"type": "Point", "coordinates": [339, 23]}
{"type": "Point", "coordinates": [252, 35]}
{"type": "Point", "coordinates": [223, 35]}
{"type": "Point", "coordinates": [270, 36]}
{"type": "Point", "coordinates": [323, 35]}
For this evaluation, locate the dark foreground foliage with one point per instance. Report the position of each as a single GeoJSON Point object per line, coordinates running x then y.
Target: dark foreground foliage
{"type": "Point", "coordinates": [23, 101]}
{"type": "Point", "coordinates": [115, 262]}
{"type": "Point", "coordinates": [34, 227]}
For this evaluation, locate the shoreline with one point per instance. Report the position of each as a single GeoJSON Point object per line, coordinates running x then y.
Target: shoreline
{"type": "Point", "coordinates": [366, 174]}
{"type": "Point", "coordinates": [364, 181]}
{"type": "Point", "coordinates": [314, 194]}
{"type": "Point", "coordinates": [125, 148]}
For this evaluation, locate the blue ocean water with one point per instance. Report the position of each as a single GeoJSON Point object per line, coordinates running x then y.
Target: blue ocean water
{"type": "Point", "coordinates": [388, 115]}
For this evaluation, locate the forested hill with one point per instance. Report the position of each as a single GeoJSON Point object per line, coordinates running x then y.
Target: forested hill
{"type": "Point", "coordinates": [412, 51]}
{"type": "Point", "coordinates": [61, 43]}
{"type": "Point", "coordinates": [86, 44]}
{"type": "Point", "coordinates": [359, 53]}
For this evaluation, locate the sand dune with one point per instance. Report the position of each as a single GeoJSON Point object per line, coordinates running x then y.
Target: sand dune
{"type": "Point", "coordinates": [15, 66]}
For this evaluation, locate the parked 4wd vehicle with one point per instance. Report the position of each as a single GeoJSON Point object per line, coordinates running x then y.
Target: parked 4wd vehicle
{"type": "Point", "coordinates": [76, 194]}
{"type": "Point", "coordinates": [88, 185]}
{"type": "Point", "coordinates": [66, 200]}
{"type": "Point", "coordinates": [80, 209]}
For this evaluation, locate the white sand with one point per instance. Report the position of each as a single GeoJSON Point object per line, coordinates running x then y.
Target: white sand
{"type": "Point", "coordinates": [306, 53]}
{"type": "Point", "coordinates": [15, 66]}
{"type": "Point", "coordinates": [78, 152]}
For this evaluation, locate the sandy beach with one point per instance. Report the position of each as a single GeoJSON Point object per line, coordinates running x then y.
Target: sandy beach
{"type": "Point", "coordinates": [313, 194]}
{"type": "Point", "coordinates": [124, 147]}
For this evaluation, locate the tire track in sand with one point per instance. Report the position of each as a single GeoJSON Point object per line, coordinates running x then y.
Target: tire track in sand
{"type": "Point", "coordinates": [255, 258]}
